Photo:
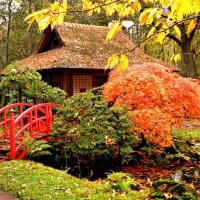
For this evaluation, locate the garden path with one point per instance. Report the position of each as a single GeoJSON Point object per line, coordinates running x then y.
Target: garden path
{"type": "Point", "coordinates": [6, 196]}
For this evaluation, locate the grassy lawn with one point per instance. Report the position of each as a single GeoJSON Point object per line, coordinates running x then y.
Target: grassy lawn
{"type": "Point", "coordinates": [34, 181]}
{"type": "Point", "coordinates": [29, 180]}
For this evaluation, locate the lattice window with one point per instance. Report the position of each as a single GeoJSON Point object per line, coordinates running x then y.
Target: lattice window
{"type": "Point", "coordinates": [100, 80]}
{"type": "Point", "coordinates": [81, 83]}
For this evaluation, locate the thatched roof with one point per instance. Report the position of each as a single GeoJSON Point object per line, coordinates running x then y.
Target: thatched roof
{"type": "Point", "coordinates": [85, 47]}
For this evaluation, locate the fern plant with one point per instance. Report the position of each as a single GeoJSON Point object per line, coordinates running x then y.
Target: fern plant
{"type": "Point", "coordinates": [36, 148]}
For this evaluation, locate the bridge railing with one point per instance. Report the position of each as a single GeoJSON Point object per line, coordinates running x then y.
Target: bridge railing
{"type": "Point", "coordinates": [38, 121]}
{"type": "Point", "coordinates": [5, 116]}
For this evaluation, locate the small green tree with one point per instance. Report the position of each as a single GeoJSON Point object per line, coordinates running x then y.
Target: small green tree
{"type": "Point", "coordinates": [17, 77]}
{"type": "Point", "coordinates": [89, 131]}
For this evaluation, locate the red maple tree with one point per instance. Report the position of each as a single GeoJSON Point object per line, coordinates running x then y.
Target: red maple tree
{"type": "Point", "coordinates": [156, 97]}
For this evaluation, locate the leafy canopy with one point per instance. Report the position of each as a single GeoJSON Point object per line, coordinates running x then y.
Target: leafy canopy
{"type": "Point", "coordinates": [156, 99]}
{"type": "Point", "coordinates": [51, 16]}
{"type": "Point", "coordinates": [164, 16]}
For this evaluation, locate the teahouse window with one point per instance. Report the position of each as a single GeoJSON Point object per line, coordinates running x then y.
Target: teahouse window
{"type": "Point", "coordinates": [81, 83]}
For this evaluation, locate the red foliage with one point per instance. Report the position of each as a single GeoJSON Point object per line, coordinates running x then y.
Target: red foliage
{"type": "Point", "coordinates": [156, 98]}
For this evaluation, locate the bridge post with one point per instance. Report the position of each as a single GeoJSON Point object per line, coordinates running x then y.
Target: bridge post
{"type": "Point", "coordinates": [48, 118]}
{"type": "Point", "coordinates": [12, 135]}
{"type": "Point", "coordinates": [30, 118]}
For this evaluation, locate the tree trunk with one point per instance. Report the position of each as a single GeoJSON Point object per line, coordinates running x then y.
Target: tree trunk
{"type": "Point", "coordinates": [30, 36]}
{"type": "Point", "coordinates": [189, 61]}
{"type": "Point", "coordinates": [185, 44]}
{"type": "Point", "coordinates": [8, 31]}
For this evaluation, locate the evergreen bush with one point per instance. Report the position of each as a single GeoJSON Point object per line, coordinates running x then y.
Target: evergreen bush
{"type": "Point", "coordinates": [88, 131]}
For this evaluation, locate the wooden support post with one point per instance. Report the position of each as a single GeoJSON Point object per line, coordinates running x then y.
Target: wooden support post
{"type": "Point", "coordinates": [48, 114]}
{"type": "Point", "coordinates": [12, 135]}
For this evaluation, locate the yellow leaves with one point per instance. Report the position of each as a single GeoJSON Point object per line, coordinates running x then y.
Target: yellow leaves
{"type": "Point", "coordinates": [121, 61]}
{"type": "Point", "coordinates": [192, 25]}
{"type": "Point", "coordinates": [196, 5]}
{"type": "Point", "coordinates": [38, 16]}
{"type": "Point", "coordinates": [110, 10]}
{"type": "Point", "coordinates": [54, 6]}
{"type": "Point", "coordinates": [175, 58]}
{"type": "Point", "coordinates": [179, 10]}
{"type": "Point", "coordinates": [116, 27]}
{"type": "Point", "coordinates": [0, 35]}
{"type": "Point", "coordinates": [111, 7]}
{"type": "Point", "coordinates": [135, 5]}
{"type": "Point", "coordinates": [144, 16]}
{"type": "Point", "coordinates": [161, 36]}
{"type": "Point", "coordinates": [90, 8]}
{"type": "Point", "coordinates": [44, 22]}
{"type": "Point", "coordinates": [98, 10]}
{"type": "Point", "coordinates": [52, 16]}
{"type": "Point", "coordinates": [182, 8]}
{"type": "Point", "coordinates": [122, 64]}
{"type": "Point", "coordinates": [112, 61]}
{"type": "Point", "coordinates": [165, 2]}
{"type": "Point", "coordinates": [62, 12]}
{"type": "Point", "coordinates": [178, 32]}
{"type": "Point", "coordinates": [151, 32]}
{"type": "Point", "coordinates": [163, 31]}
{"type": "Point", "coordinates": [148, 15]}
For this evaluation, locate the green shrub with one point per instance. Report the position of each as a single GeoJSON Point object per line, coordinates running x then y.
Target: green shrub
{"type": "Point", "coordinates": [17, 77]}
{"type": "Point", "coordinates": [122, 182]}
{"type": "Point", "coordinates": [88, 130]}
{"type": "Point", "coordinates": [170, 189]}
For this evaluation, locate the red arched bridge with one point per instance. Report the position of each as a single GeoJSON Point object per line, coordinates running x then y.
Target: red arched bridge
{"type": "Point", "coordinates": [23, 119]}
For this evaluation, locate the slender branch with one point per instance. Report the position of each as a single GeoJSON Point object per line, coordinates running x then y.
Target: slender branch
{"type": "Point", "coordinates": [174, 38]}
{"type": "Point", "coordinates": [87, 10]}
{"type": "Point", "coordinates": [168, 35]}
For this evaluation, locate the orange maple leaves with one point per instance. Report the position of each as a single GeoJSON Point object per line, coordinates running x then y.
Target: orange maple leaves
{"type": "Point", "coordinates": [156, 98]}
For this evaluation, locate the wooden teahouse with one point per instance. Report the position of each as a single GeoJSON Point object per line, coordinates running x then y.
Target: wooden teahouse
{"type": "Point", "coordinates": [73, 56]}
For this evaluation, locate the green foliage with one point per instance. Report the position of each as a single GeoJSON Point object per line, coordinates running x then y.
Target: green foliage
{"type": "Point", "coordinates": [188, 196]}
{"type": "Point", "coordinates": [170, 189]}
{"type": "Point", "coordinates": [122, 182]}
{"type": "Point", "coordinates": [16, 76]}
{"type": "Point", "coordinates": [88, 130]}
{"type": "Point", "coordinates": [29, 81]}
{"type": "Point", "coordinates": [186, 148]}
{"type": "Point", "coordinates": [36, 148]}
{"type": "Point", "coordinates": [187, 144]}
